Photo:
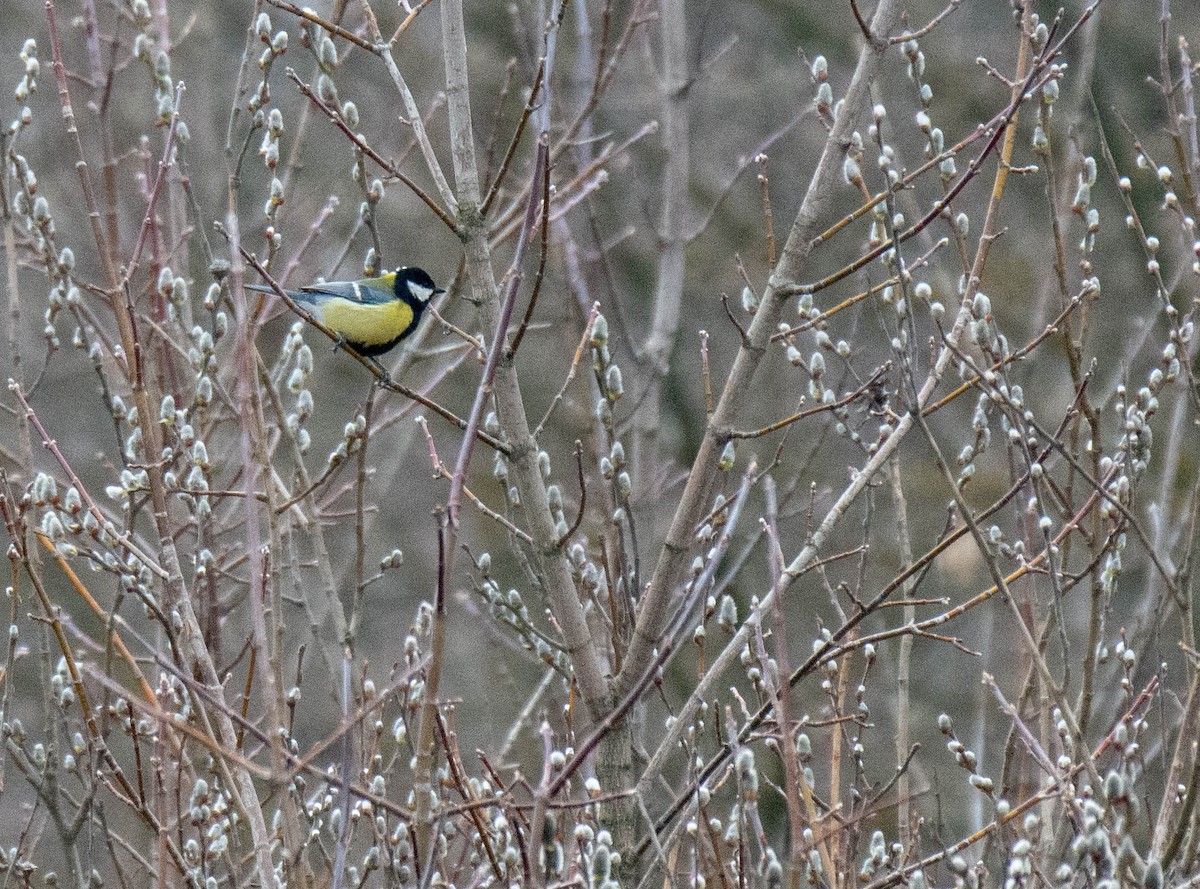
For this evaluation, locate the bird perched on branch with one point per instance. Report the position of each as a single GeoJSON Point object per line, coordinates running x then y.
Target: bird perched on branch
{"type": "Point", "coordinates": [372, 315]}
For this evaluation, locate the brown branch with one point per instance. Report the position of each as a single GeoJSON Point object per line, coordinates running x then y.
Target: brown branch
{"type": "Point", "coordinates": [370, 152]}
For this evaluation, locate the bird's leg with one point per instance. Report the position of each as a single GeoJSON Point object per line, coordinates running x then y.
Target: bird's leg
{"type": "Point", "coordinates": [384, 380]}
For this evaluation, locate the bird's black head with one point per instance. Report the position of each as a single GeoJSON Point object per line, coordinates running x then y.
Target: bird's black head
{"type": "Point", "coordinates": [415, 287]}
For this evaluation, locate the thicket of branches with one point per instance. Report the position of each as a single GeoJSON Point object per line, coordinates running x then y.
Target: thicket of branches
{"type": "Point", "coordinates": [748, 458]}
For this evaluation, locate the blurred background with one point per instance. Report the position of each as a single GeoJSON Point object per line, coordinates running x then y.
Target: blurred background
{"type": "Point", "coordinates": [751, 92]}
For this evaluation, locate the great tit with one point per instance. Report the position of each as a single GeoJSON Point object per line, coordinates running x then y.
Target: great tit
{"type": "Point", "coordinates": [372, 315]}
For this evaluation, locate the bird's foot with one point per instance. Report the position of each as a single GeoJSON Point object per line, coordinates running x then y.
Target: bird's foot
{"type": "Point", "coordinates": [384, 379]}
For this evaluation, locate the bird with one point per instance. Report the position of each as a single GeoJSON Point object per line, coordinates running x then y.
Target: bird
{"type": "Point", "coordinates": [371, 315]}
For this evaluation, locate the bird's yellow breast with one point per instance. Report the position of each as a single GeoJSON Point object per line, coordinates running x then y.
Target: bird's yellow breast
{"type": "Point", "coordinates": [366, 324]}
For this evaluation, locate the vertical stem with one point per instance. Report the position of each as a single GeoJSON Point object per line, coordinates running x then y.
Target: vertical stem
{"type": "Point", "coordinates": [904, 658]}
{"type": "Point", "coordinates": [12, 285]}
{"type": "Point", "coordinates": [668, 294]}
{"type": "Point", "coordinates": [550, 561]}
